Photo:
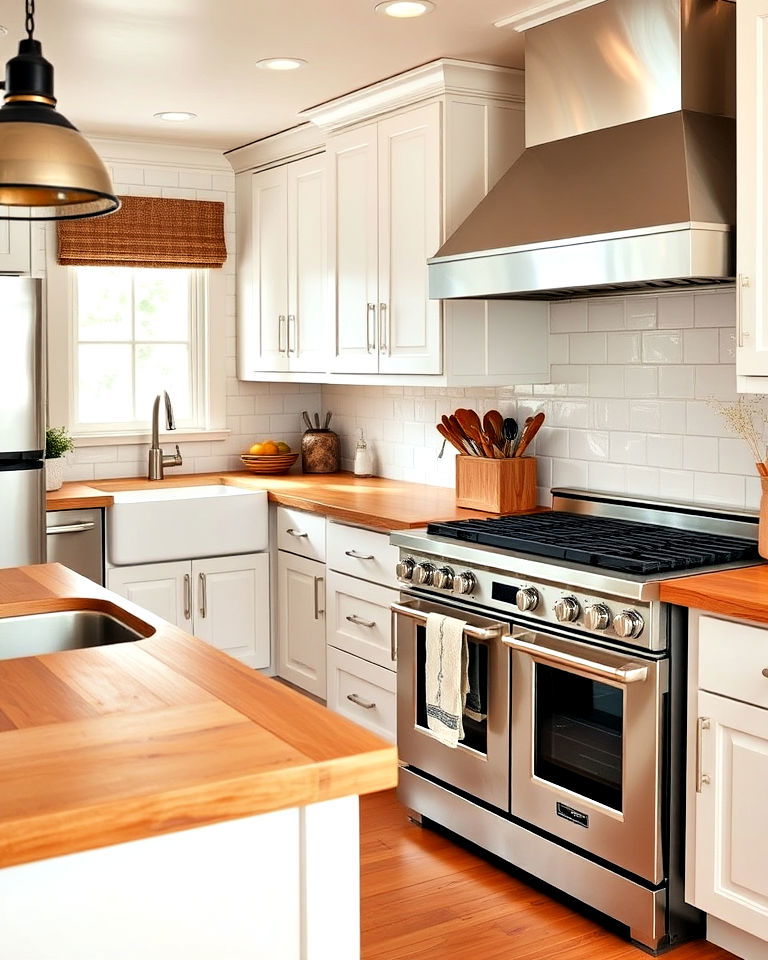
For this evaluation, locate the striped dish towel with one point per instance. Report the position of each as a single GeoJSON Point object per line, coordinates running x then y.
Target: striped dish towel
{"type": "Point", "coordinates": [447, 680]}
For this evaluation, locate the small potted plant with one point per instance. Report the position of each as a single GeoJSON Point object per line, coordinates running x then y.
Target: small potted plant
{"type": "Point", "coordinates": [57, 443]}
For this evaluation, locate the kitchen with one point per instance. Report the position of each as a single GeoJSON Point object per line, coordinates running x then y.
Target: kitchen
{"type": "Point", "coordinates": [328, 204]}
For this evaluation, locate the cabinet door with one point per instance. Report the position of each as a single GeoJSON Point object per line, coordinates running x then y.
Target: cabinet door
{"type": "Point", "coordinates": [353, 249]}
{"type": "Point", "coordinates": [14, 245]}
{"type": "Point", "coordinates": [751, 173]}
{"type": "Point", "coordinates": [301, 622]}
{"type": "Point", "coordinates": [307, 266]}
{"type": "Point", "coordinates": [232, 606]}
{"type": "Point", "coordinates": [731, 840]}
{"type": "Point", "coordinates": [162, 588]}
{"type": "Point", "coordinates": [270, 269]}
{"type": "Point", "coordinates": [409, 233]}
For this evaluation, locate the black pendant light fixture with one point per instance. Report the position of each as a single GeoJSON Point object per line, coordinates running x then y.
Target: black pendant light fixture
{"type": "Point", "coordinates": [48, 171]}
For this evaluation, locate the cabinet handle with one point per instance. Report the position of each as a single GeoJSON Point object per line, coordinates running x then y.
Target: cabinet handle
{"type": "Point", "coordinates": [187, 597]}
{"type": "Point", "coordinates": [383, 329]}
{"type": "Point", "coordinates": [702, 724]}
{"type": "Point", "coordinates": [741, 282]}
{"type": "Point", "coordinates": [203, 595]}
{"type": "Point", "coordinates": [393, 636]}
{"type": "Point", "coordinates": [765, 672]}
{"type": "Point", "coordinates": [291, 324]}
{"type": "Point", "coordinates": [296, 533]}
{"type": "Point", "coordinates": [353, 618]}
{"type": "Point", "coordinates": [359, 556]}
{"type": "Point", "coordinates": [83, 527]}
{"type": "Point", "coordinates": [365, 704]}
{"type": "Point", "coordinates": [281, 349]}
{"type": "Point", "coordinates": [370, 340]}
{"type": "Point", "coordinates": [318, 611]}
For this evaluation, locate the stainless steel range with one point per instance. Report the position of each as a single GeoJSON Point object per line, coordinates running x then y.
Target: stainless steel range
{"type": "Point", "coordinates": [573, 768]}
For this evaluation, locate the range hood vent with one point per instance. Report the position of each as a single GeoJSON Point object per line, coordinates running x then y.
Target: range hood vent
{"type": "Point", "coordinates": [598, 206]}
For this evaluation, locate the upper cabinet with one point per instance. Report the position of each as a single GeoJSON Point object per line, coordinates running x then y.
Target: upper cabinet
{"type": "Point", "coordinates": [14, 245]}
{"type": "Point", "coordinates": [402, 164]}
{"type": "Point", "coordinates": [751, 184]}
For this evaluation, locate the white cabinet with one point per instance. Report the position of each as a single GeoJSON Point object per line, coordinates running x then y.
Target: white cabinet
{"type": "Point", "coordinates": [282, 314]}
{"type": "Point", "coordinates": [359, 619]}
{"type": "Point", "coordinates": [751, 182]}
{"type": "Point", "coordinates": [222, 600]}
{"type": "Point", "coordinates": [363, 692]}
{"type": "Point", "coordinates": [385, 221]}
{"type": "Point", "coordinates": [301, 622]}
{"type": "Point", "coordinates": [15, 250]}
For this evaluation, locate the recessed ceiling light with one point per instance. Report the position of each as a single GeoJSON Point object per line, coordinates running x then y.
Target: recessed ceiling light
{"type": "Point", "coordinates": [281, 63]}
{"type": "Point", "coordinates": [175, 116]}
{"type": "Point", "coordinates": [405, 8]}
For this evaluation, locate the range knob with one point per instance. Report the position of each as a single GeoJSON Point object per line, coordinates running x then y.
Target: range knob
{"type": "Point", "coordinates": [465, 582]}
{"type": "Point", "coordinates": [567, 609]}
{"type": "Point", "coordinates": [628, 624]}
{"type": "Point", "coordinates": [597, 617]}
{"type": "Point", "coordinates": [423, 573]}
{"type": "Point", "coordinates": [527, 599]}
{"type": "Point", "coordinates": [404, 568]}
{"type": "Point", "coordinates": [443, 579]}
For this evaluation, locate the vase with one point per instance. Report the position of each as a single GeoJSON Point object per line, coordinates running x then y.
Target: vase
{"type": "Point", "coordinates": [762, 543]}
{"type": "Point", "coordinates": [54, 473]}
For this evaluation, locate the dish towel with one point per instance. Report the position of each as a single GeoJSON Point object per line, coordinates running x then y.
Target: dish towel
{"type": "Point", "coordinates": [474, 707]}
{"type": "Point", "coordinates": [447, 680]}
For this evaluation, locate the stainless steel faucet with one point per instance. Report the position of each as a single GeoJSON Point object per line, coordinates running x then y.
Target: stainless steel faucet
{"type": "Point", "coordinates": [157, 459]}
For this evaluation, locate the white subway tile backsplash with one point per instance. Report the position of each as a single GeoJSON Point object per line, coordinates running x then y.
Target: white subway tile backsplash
{"type": "Point", "coordinates": [609, 414]}
{"type": "Point", "coordinates": [660, 346]}
{"type": "Point", "coordinates": [628, 447]}
{"type": "Point", "coordinates": [607, 314]}
{"type": "Point", "coordinates": [715, 309]}
{"type": "Point", "coordinates": [677, 381]}
{"type": "Point", "coordinates": [641, 381]}
{"type": "Point", "coordinates": [606, 380]}
{"type": "Point", "coordinates": [611, 477]}
{"type": "Point", "coordinates": [558, 348]}
{"type": "Point", "coordinates": [568, 315]}
{"type": "Point", "coordinates": [700, 453]}
{"type": "Point", "coordinates": [642, 313]}
{"type": "Point", "coordinates": [587, 348]}
{"type": "Point", "coordinates": [665, 450]}
{"type": "Point", "coordinates": [676, 484]}
{"type": "Point", "coordinates": [626, 347]}
{"type": "Point", "coordinates": [569, 473]}
{"type": "Point", "coordinates": [676, 311]}
{"type": "Point", "coordinates": [645, 479]}
{"type": "Point", "coordinates": [589, 444]}
{"type": "Point", "coordinates": [719, 488]}
{"type": "Point", "coordinates": [701, 345]}
{"type": "Point", "coordinates": [727, 345]}
{"type": "Point", "coordinates": [644, 415]}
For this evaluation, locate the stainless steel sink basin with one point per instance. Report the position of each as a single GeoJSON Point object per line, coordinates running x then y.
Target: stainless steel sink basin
{"type": "Point", "coordinates": [39, 633]}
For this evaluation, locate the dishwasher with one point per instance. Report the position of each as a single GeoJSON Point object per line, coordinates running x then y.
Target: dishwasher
{"type": "Point", "coordinates": [76, 539]}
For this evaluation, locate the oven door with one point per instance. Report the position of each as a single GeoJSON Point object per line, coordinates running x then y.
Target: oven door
{"type": "Point", "coordinates": [480, 764]}
{"type": "Point", "coordinates": [587, 740]}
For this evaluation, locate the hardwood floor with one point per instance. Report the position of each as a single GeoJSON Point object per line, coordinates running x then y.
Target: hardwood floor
{"type": "Point", "coordinates": [425, 898]}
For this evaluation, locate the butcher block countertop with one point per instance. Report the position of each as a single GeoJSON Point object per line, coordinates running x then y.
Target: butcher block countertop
{"type": "Point", "coordinates": [735, 593]}
{"type": "Point", "coordinates": [368, 501]}
{"type": "Point", "coordinates": [115, 743]}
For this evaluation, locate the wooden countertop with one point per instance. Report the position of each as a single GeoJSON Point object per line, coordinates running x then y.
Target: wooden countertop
{"type": "Point", "coordinates": [736, 593]}
{"type": "Point", "coordinates": [115, 743]}
{"type": "Point", "coordinates": [368, 501]}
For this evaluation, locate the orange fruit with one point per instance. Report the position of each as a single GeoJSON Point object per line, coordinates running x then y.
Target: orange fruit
{"type": "Point", "coordinates": [269, 448]}
{"type": "Point", "coordinates": [256, 449]}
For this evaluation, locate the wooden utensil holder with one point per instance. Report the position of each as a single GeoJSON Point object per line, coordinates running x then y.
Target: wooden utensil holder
{"type": "Point", "coordinates": [496, 486]}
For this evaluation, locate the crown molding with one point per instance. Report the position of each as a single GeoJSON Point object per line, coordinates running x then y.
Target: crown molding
{"type": "Point", "coordinates": [152, 153]}
{"type": "Point", "coordinates": [438, 78]}
{"type": "Point", "coordinates": [293, 144]}
{"type": "Point", "coordinates": [543, 13]}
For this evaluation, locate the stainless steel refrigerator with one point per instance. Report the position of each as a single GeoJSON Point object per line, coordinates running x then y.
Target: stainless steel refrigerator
{"type": "Point", "coordinates": [22, 423]}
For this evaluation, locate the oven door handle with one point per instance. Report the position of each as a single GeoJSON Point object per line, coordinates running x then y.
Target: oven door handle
{"type": "Point", "coordinates": [477, 633]}
{"type": "Point", "coordinates": [628, 673]}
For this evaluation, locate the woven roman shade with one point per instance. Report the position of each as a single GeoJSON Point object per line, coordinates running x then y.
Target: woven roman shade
{"type": "Point", "coordinates": [147, 232]}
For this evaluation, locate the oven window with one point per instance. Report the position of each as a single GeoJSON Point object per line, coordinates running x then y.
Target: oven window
{"type": "Point", "coordinates": [578, 734]}
{"type": "Point", "coordinates": [475, 718]}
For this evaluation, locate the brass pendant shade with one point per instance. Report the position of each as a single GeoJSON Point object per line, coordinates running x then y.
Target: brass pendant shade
{"type": "Point", "coordinates": [48, 171]}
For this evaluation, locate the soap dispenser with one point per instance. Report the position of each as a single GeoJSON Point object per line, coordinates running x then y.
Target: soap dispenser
{"type": "Point", "coordinates": [363, 458]}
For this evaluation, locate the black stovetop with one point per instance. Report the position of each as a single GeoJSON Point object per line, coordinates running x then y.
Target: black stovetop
{"type": "Point", "coordinates": [604, 542]}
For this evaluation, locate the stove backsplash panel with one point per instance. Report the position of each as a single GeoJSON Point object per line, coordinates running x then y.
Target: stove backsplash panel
{"type": "Point", "coordinates": [627, 408]}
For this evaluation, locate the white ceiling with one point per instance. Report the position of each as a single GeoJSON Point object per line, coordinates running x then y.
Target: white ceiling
{"type": "Point", "coordinates": [119, 61]}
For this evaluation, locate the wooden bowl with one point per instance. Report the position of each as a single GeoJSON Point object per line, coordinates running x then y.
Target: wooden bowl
{"type": "Point", "coordinates": [276, 463]}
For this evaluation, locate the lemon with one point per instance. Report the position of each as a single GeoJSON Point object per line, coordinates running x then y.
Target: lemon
{"type": "Point", "coordinates": [256, 449]}
{"type": "Point", "coordinates": [283, 447]}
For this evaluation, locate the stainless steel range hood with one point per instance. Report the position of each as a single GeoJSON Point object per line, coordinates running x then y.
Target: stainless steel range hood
{"type": "Point", "coordinates": [628, 177]}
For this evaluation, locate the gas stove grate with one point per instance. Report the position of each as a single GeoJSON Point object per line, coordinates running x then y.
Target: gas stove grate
{"type": "Point", "coordinates": [623, 545]}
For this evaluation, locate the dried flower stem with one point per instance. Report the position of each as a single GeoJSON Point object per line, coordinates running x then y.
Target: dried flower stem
{"type": "Point", "coordinates": [747, 418]}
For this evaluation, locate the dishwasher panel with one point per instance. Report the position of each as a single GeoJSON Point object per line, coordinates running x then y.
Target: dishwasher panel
{"type": "Point", "coordinates": [76, 539]}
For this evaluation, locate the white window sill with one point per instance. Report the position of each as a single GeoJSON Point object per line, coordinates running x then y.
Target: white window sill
{"type": "Point", "coordinates": [174, 436]}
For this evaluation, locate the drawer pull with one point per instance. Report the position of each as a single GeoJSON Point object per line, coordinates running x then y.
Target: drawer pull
{"type": "Point", "coordinates": [353, 618]}
{"type": "Point", "coordinates": [318, 611]}
{"type": "Point", "coordinates": [83, 527]}
{"type": "Point", "coordinates": [365, 704]}
{"type": "Point", "coordinates": [702, 724]}
{"type": "Point", "coordinates": [187, 597]}
{"type": "Point", "coordinates": [295, 533]}
{"type": "Point", "coordinates": [765, 672]}
{"type": "Point", "coordinates": [359, 556]}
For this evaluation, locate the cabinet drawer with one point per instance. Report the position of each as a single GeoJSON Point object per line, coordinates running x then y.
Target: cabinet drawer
{"type": "Point", "coordinates": [359, 620]}
{"type": "Point", "coordinates": [362, 553]}
{"type": "Point", "coordinates": [362, 692]}
{"type": "Point", "coordinates": [301, 532]}
{"type": "Point", "coordinates": [732, 658]}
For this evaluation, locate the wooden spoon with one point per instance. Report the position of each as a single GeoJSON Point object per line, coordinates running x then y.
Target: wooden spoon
{"type": "Point", "coordinates": [470, 424]}
{"type": "Point", "coordinates": [451, 438]}
{"type": "Point", "coordinates": [529, 433]}
{"type": "Point", "coordinates": [493, 425]}
{"type": "Point", "coordinates": [453, 424]}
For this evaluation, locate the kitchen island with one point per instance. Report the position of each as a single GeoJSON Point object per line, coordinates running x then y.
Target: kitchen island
{"type": "Point", "coordinates": [160, 800]}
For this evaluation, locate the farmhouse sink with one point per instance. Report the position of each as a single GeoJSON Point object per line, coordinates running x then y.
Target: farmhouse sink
{"type": "Point", "coordinates": [182, 523]}
{"type": "Point", "coordinates": [38, 633]}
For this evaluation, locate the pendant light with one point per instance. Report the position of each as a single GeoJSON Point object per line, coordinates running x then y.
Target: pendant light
{"type": "Point", "coordinates": [48, 171]}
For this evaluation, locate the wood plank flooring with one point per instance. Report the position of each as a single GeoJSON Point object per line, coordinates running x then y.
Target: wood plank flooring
{"type": "Point", "coordinates": [425, 898]}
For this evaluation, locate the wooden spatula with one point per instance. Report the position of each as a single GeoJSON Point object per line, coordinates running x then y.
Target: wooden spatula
{"type": "Point", "coordinates": [493, 425]}
{"type": "Point", "coordinates": [530, 431]}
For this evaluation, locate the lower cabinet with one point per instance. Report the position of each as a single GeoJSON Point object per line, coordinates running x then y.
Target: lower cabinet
{"type": "Point", "coordinates": [363, 692]}
{"type": "Point", "coordinates": [301, 622]}
{"type": "Point", "coordinates": [221, 600]}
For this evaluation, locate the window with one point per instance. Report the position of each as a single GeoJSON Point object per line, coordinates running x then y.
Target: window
{"type": "Point", "coordinates": [136, 332]}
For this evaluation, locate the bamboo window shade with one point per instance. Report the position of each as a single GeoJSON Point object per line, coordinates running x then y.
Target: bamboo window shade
{"type": "Point", "coordinates": [147, 232]}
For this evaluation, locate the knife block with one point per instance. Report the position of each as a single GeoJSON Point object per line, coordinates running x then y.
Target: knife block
{"type": "Point", "coordinates": [496, 486]}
